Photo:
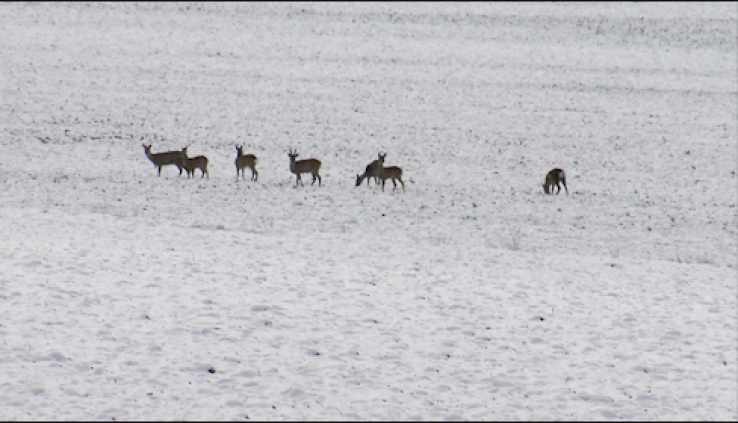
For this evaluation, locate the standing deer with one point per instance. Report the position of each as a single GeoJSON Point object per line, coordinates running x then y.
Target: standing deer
{"type": "Point", "coordinates": [165, 158]}
{"type": "Point", "coordinates": [191, 164]}
{"type": "Point", "coordinates": [371, 171]}
{"type": "Point", "coordinates": [392, 172]}
{"type": "Point", "coordinates": [304, 166]}
{"type": "Point", "coordinates": [553, 177]}
{"type": "Point", "coordinates": [242, 162]}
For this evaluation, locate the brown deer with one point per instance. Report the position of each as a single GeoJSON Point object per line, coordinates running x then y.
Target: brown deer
{"type": "Point", "coordinates": [244, 161]}
{"type": "Point", "coordinates": [311, 166]}
{"type": "Point", "coordinates": [553, 177]}
{"type": "Point", "coordinates": [392, 172]}
{"type": "Point", "coordinates": [165, 158]}
{"type": "Point", "coordinates": [191, 164]}
{"type": "Point", "coordinates": [371, 171]}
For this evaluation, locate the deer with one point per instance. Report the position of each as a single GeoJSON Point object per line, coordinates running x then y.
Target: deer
{"type": "Point", "coordinates": [194, 163]}
{"type": "Point", "coordinates": [165, 158]}
{"type": "Point", "coordinates": [392, 172]}
{"type": "Point", "coordinates": [371, 171]}
{"type": "Point", "coordinates": [553, 177]}
{"type": "Point", "coordinates": [304, 166]}
{"type": "Point", "coordinates": [244, 161]}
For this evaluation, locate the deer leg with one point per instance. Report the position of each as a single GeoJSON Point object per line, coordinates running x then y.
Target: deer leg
{"type": "Point", "coordinates": [394, 184]}
{"type": "Point", "coordinates": [567, 189]}
{"type": "Point", "coordinates": [254, 174]}
{"type": "Point", "coordinates": [403, 185]}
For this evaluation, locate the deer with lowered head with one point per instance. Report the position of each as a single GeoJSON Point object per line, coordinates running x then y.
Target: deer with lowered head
{"type": "Point", "coordinates": [393, 172]}
{"type": "Point", "coordinates": [553, 177]}
{"type": "Point", "coordinates": [245, 161]}
{"type": "Point", "coordinates": [194, 163]}
{"type": "Point", "coordinates": [299, 167]}
{"type": "Point", "coordinates": [371, 171]}
{"type": "Point", "coordinates": [164, 158]}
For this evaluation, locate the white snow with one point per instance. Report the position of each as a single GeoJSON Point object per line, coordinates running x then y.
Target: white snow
{"type": "Point", "coordinates": [471, 295]}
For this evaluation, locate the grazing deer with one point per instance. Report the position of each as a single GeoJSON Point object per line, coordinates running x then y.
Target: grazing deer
{"type": "Point", "coordinates": [304, 166]}
{"type": "Point", "coordinates": [165, 158]}
{"type": "Point", "coordinates": [242, 162]}
{"type": "Point", "coordinates": [392, 172]}
{"type": "Point", "coordinates": [553, 177]}
{"type": "Point", "coordinates": [371, 171]}
{"type": "Point", "coordinates": [191, 164]}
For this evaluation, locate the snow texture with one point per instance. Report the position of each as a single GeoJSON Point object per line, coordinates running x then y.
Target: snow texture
{"type": "Point", "coordinates": [470, 295]}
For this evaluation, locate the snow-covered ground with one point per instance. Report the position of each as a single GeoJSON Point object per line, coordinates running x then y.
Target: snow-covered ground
{"type": "Point", "coordinates": [471, 295]}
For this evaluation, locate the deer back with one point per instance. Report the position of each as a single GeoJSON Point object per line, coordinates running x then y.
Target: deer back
{"type": "Point", "coordinates": [243, 161]}
{"type": "Point", "coordinates": [555, 175]}
{"type": "Point", "coordinates": [308, 165]}
{"type": "Point", "coordinates": [372, 169]}
{"type": "Point", "coordinates": [303, 166]}
{"type": "Point", "coordinates": [199, 162]}
{"type": "Point", "coordinates": [392, 172]}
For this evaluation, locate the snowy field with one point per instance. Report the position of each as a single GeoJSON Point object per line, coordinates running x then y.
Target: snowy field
{"type": "Point", "coordinates": [470, 295]}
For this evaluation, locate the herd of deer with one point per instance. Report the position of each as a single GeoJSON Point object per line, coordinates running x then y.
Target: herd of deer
{"type": "Point", "coordinates": [374, 169]}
